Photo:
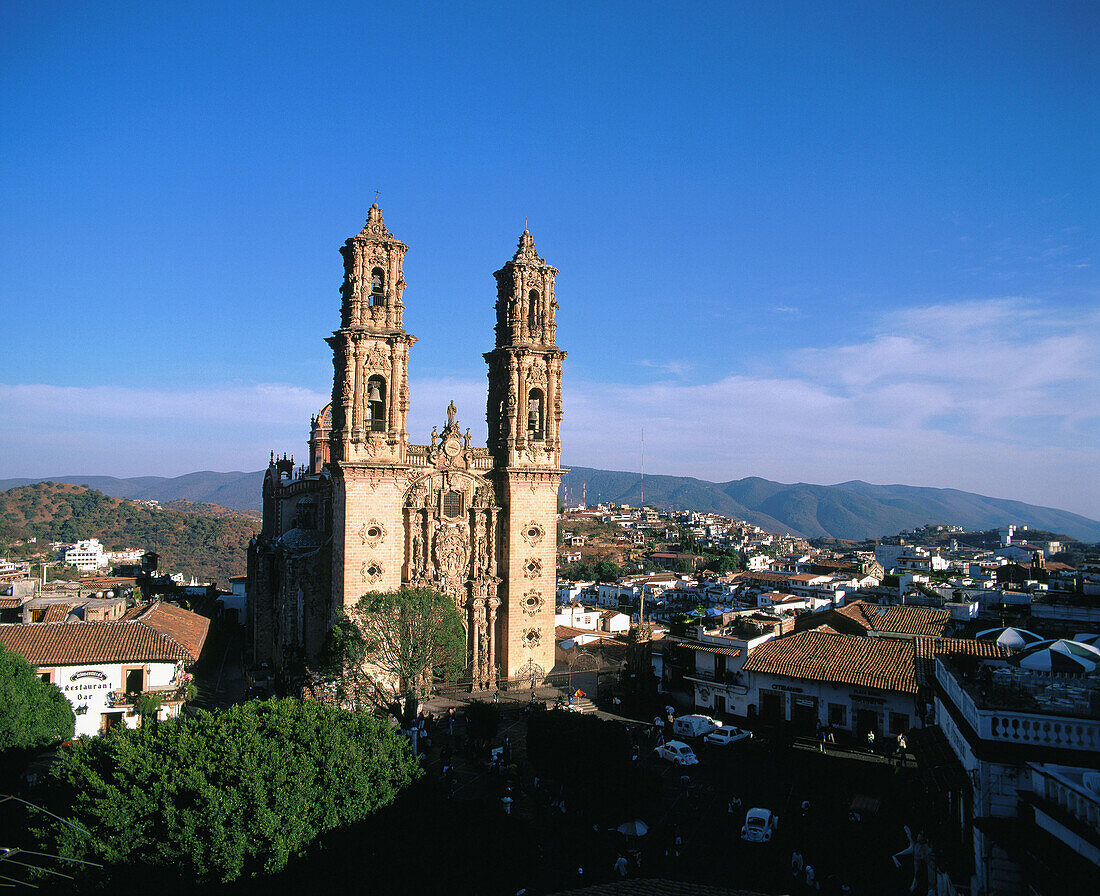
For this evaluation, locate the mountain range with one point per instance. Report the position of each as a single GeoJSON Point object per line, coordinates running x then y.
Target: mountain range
{"type": "Point", "coordinates": [850, 510]}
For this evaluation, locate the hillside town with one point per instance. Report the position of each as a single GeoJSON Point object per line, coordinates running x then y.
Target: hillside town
{"type": "Point", "coordinates": [966, 661]}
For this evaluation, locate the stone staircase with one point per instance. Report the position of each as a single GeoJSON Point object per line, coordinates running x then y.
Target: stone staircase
{"type": "Point", "coordinates": [582, 705]}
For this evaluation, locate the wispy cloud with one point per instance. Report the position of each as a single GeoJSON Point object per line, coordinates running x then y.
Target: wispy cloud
{"type": "Point", "coordinates": [1000, 397]}
{"type": "Point", "coordinates": [668, 366]}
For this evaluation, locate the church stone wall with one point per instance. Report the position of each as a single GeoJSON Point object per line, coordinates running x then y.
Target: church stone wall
{"type": "Point", "coordinates": [530, 579]}
{"type": "Point", "coordinates": [372, 533]}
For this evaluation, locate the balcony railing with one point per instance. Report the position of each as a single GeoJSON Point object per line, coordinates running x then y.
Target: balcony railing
{"type": "Point", "coordinates": [1054, 727]}
{"type": "Point", "coordinates": [168, 693]}
{"type": "Point", "coordinates": [1072, 797]}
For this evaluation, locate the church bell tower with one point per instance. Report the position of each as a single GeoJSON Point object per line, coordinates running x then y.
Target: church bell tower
{"type": "Point", "coordinates": [524, 421]}
{"type": "Point", "coordinates": [368, 441]}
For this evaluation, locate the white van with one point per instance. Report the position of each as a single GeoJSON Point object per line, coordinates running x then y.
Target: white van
{"type": "Point", "coordinates": [694, 725]}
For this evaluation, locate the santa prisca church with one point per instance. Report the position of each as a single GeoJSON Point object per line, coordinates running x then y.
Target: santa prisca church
{"type": "Point", "coordinates": [372, 511]}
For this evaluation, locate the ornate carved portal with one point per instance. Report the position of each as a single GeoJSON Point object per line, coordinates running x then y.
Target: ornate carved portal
{"type": "Point", "coordinates": [451, 519]}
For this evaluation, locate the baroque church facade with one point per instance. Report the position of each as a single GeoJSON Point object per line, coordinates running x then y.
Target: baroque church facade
{"type": "Point", "coordinates": [372, 511]}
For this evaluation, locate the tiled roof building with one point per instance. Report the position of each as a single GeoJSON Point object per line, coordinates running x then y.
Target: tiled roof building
{"type": "Point", "coordinates": [886, 664]}
{"type": "Point", "coordinates": [859, 618]}
{"type": "Point", "coordinates": [158, 633]}
{"type": "Point", "coordinates": [928, 648]}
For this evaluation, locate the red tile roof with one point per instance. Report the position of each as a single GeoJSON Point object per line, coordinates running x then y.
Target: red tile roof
{"type": "Point", "coordinates": [887, 664]}
{"type": "Point", "coordinates": [158, 633]}
{"type": "Point", "coordinates": [721, 651]}
{"type": "Point", "coordinates": [565, 632]}
{"type": "Point", "coordinates": [928, 648]}
{"type": "Point", "coordinates": [57, 612]}
{"type": "Point", "coordinates": [897, 619]}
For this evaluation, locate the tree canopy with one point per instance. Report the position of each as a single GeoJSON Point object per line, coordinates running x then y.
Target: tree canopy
{"type": "Point", "coordinates": [225, 794]}
{"type": "Point", "coordinates": [391, 646]}
{"type": "Point", "coordinates": [33, 713]}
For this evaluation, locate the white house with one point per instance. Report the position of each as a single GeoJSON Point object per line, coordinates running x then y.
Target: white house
{"type": "Point", "coordinates": [577, 616]}
{"type": "Point", "coordinates": [86, 555]}
{"type": "Point", "coordinates": [614, 622]}
{"type": "Point", "coordinates": [102, 667]}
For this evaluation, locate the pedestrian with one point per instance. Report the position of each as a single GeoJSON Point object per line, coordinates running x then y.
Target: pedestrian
{"type": "Point", "coordinates": [620, 866]}
{"type": "Point", "coordinates": [796, 864]}
{"type": "Point", "coordinates": [507, 755]}
{"type": "Point", "coordinates": [811, 879]}
{"type": "Point", "coordinates": [733, 805]}
{"type": "Point", "coordinates": [821, 736]}
{"type": "Point", "coordinates": [496, 696]}
{"type": "Point", "coordinates": [871, 739]}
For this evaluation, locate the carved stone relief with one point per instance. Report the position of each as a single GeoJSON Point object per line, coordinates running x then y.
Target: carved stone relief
{"type": "Point", "coordinates": [533, 533]}
{"type": "Point", "coordinates": [532, 569]}
{"type": "Point", "coordinates": [452, 554]}
{"type": "Point", "coordinates": [371, 571]}
{"type": "Point", "coordinates": [532, 637]}
{"type": "Point", "coordinates": [372, 533]}
{"type": "Point", "coordinates": [532, 602]}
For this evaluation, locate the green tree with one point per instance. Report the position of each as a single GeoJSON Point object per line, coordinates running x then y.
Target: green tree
{"type": "Point", "coordinates": [33, 713]}
{"type": "Point", "coordinates": [387, 651]}
{"type": "Point", "coordinates": [606, 571]}
{"type": "Point", "coordinates": [218, 796]}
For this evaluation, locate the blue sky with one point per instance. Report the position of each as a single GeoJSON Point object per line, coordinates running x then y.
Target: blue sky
{"type": "Point", "coordinates": [805, 241]}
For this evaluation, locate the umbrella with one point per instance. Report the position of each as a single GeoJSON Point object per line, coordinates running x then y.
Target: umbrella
{"type": "Point", "coordinates": [636, 828]}
{"type": "Point", "coordinates": [1060, 655]}
{"type": "Point", "coordinates": [1010, 637]}
{"type": "Point", "coordinates": [1093, 640]}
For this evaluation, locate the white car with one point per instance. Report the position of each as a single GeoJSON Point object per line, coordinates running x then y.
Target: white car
{"type": "Point", "coordinates": [678, 752]}
{"type": "Point", "coordinates": [725, 736]}
{"type": "Point", "coordinates": [695, 725]}
{"type": "Point", "coordinates": [760, 825]}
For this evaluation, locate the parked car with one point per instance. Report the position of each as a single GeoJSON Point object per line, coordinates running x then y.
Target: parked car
{"type": "Point", "coordinates": [723, 737]}
{"type": "Point", "coordinates": [694, 725]}
{"type": "Point", "coordinates": [678, 752]}
{"type": "Point", "coordinates": [760, 825]}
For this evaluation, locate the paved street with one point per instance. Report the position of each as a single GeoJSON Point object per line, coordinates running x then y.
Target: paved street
{"type": "Point", "coordinates": [755, 773]}
{"type": "Point", "coordinates": [220, 676]}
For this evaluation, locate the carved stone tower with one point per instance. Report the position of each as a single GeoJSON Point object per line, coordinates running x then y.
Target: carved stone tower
{"type": "Point", "coordinates": [370, 401]}
{"type": "Point", "coordinates": [524, 419]}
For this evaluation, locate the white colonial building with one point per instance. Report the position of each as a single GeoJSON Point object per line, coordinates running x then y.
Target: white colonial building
{"type": "Point", "coordinates": [103, 667]}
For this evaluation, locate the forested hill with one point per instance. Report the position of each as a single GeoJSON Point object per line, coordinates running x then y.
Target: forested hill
{"type": "Point", "coordinates": [851, 510]}
{"type": "Point", "coordinates": [209, 547]}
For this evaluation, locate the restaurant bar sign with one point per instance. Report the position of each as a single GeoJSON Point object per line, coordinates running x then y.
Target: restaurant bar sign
{"type": "Point", "coordinates": [88, 680]}
{"type": "Point", "coordinates": [88, 673]}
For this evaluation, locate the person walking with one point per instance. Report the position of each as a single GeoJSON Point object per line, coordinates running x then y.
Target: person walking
{"type": "Point", "coordinates": [871, 739]}
{"type": "Point", "coordinates": [620, 866]}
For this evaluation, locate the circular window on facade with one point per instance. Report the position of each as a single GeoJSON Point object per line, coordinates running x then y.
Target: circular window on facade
{"type": "Point", "coordinates": [372, 532]}
{"type": "Point", "coordinates": [533, 533]}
